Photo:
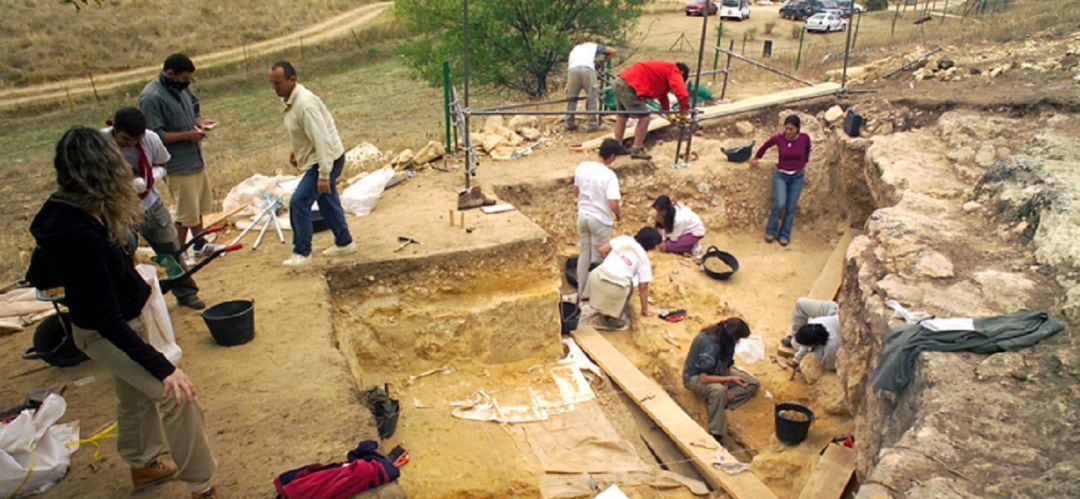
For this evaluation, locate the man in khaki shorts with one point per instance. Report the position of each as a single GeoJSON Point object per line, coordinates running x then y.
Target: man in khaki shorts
{"type": "Point", "coordinates": [172, 112]}
{"type": "Point", "coordinates": [643, 81]}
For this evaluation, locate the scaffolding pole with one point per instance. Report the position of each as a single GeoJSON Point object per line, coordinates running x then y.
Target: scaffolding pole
{"type": "Point", "coordinates": [530, 104]}
{"type": "Point", "coordinates": [766, 67]}
{"type": "Point", "coordinates": [688, 128]}
{"type": "Point", "coordinates": [470, 155]}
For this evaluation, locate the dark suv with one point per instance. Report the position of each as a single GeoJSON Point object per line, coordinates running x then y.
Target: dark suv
{"type": "Point", "coordinates": [798, 10]}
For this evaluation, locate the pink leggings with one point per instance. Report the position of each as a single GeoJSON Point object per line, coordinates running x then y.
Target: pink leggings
{"type": "Point", "coordinates": [684, 244]}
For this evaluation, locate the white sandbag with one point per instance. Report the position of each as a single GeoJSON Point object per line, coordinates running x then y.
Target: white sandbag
{"type": "Point", "coordinates": [155, 317]}
{"type": "Point", "coordinates": [33, 449]}
{"type": "Point", "coordinates": [361, 197]}
{"type": "Point", "coordinates": [253, 188]}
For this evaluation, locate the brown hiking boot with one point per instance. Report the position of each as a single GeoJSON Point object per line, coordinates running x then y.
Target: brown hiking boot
{"type": "Point", "coordinates": [473, 198]}
{"type": "Point", "coordinates": [158, 470]}
{"type": "Point", "coordinates": [209, 494]}
{"type": "Point", "coordinates": [639, 153]}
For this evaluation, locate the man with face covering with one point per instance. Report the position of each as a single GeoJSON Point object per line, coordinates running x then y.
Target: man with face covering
{"type": "Point", "coordinates": [172, 112]}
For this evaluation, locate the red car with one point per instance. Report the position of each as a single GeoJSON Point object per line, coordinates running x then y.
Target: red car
{"type": "Point", "coordinates": [697, 7]}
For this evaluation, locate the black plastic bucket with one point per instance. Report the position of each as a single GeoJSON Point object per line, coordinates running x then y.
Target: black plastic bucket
{"type": "Point", "coordinates": [792, 432]}
{"type": "Point", "coordinates": [54, 344]}
{"type": "Point", "coordinates": [570, 270]}
{"type": "Point", "coordinates": [231, 323]}
{"type": "Point", "coordinates": [569, 312]}
{"type": "Point", "coordinates": [853, 123]}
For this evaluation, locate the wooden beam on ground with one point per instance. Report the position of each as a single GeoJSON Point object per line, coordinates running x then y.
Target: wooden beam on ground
{"type": "Point", "coordinates": [828, 281]}
{"type": "Point", "coordinates": [216, 218]}
{"type": "Point", "coordinates": [679, 426]}
{"type": "Point", "coordinates": [658, 442]}
{"type": "Point", "coordinates": [737, 107]}
{"type": "Point", "coordinates": [831, 475]}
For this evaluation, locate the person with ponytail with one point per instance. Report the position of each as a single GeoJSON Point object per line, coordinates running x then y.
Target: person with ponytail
{"type": "Point", "coordinates": [682, 227]}
{"type": "Point", "coordinates": [82, 232]}
{"type": "Point", "coordinates": [709, 373]}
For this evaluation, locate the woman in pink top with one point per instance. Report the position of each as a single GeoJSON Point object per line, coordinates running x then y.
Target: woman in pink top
{"type": "Point", "coordinates": [793, 148]}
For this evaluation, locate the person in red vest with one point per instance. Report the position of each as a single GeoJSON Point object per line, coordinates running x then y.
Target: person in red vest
{"type": "Point", "coordinates": [648, 80]}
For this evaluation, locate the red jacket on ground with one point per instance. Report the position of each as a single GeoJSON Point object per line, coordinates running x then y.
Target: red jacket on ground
{"type": "Point", "coordinates": [653, 80]}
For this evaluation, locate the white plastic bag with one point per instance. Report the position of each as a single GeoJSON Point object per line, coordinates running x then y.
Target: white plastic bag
{"type": "Point", "coordinates": [33, 449]}
{"type": "Point", "coordinates": [751, 349]}
{"type": "Point", "coordinates": [155, 317]}
{"type": "Point", "coordinates": [360, 198]}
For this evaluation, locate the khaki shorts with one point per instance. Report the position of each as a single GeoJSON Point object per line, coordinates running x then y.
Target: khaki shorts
{"type": "Point", "coordinates": [627, 98]}
{"type": "Point", "coordinates": [192, 195]}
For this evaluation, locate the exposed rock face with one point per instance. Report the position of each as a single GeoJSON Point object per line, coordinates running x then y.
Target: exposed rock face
{"type": "Point", "coordinates": [969, 425]}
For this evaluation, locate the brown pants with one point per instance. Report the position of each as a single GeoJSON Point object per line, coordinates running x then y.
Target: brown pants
{"type": "Point", "coordinates": [141, 414]}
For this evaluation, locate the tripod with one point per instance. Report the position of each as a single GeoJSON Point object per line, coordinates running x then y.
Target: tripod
{"type": "Point", "coordinates": [268, 216]}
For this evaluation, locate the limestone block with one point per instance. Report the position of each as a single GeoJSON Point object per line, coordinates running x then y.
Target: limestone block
{"type": "Point", "coordinates": [518, 123]}
{"type": "Point", "coordinates": [529, 133]}
{"type": "Point", "coordinates": [493, 123]}
{"type": "Point", "coordinates": [834, 115]}
{"type": "Point", "coordinates": [985, 156]}
{"type": "Point", "coordinates": [403, 158]}
{"type": "Point", "coordinates": [1002, 365]}
{"type": "Point", "coordinates": [492, 141]}
{"type": "Point", "coordinates": [972, 207]}
{"type": "Point", "coordinates": [934, 265]}
{"type": "Point", "coordinates": [430, 152]}
{"type": "Point", "coordinates": [744, 127]}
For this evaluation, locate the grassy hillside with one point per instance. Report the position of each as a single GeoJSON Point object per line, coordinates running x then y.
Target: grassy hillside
{"type": "Point", "coordinates": [46, 40]}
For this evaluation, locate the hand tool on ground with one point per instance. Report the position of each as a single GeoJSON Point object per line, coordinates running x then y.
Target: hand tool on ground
{"type": "Point", "coordinates": [407, 241]}
{"type": "Point", "coordinates": [704, 445]}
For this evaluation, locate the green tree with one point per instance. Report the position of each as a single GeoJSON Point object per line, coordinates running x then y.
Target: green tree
{"type": "Point", "coordinates": [512, 43]}
{"type": "Point", "coordinates": [877, 4]}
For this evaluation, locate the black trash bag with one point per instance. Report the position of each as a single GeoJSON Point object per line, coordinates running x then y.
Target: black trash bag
{"type": "Point", "coordinates": [384, 408]}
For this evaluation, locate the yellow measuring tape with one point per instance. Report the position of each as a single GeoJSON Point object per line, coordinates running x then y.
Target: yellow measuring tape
{"type": "Point", "coordinates": [107, 432]}
{"type": "Point", "coordinates": [29, 471]}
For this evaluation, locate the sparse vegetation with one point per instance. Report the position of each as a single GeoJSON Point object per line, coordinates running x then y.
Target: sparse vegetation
{"type": "Point", "coordinates": [769, 26]}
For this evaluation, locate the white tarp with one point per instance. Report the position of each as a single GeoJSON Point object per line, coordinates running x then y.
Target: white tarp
{"type": "Point", "coordinates": [360, 198]}
{"type": "Point", "coordinates": [155, 317]}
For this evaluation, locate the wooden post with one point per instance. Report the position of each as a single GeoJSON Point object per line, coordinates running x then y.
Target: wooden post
{"type": "Point", "coordinates": [727, 70]}
{"type": "Point", "coordinates": [744, 38]}
{"type": "Point", "coordinates": [450, 217]}
{"type": "Point", "coordinates": [944, 11]}
{"type": "Point", "coordinates": [71, 102]}
{"type": "Point", "coordinates": [716, 56]}
{"type": "Point", "coordinates": [93, 86]}
{"type": "Point", "coordinates": [798, 56]}
{"type": "Point", "coordinates": [894, 18]}
{"type": "Point", "coordinates": [301, 48]}
{"type": "Point", "coordinates": [855, 36]}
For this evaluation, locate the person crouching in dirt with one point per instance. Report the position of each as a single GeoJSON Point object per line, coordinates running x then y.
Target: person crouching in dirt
{"type": "Point", "coordinates": [80, 233]}
{"type": "Point", "coordinates": [815, 329]}
{"type": "Point", "coordinates": [681, 226]}
{"type": "Point", "coordinates": [708, 373]}
{"type": "Point", "coordinates": [611, 284]}
{"type": "Point", "coordinates": [147, 156]}
{"type": "Point", "coordinates": [793, 149]}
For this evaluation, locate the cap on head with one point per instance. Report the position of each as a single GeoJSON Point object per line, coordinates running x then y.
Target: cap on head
{"type": "Point", "coordinates": [611, 147]}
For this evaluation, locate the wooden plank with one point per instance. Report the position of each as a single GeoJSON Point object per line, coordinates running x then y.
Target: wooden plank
{"type": "Point", "coordinates": [739, 106]}
{"type": "Point", "coordinates": [661, 446]}
{"type": "Point", "coordinates": [216, 218]}
{"type": "Point", "coordinates": [676, 424]}
{"type": "Point", "coordinates": [828, 281]}
{"type": "Point", "coordinates": [831, 475]}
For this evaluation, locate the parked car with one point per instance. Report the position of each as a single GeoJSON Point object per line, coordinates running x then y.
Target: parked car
{"type": "Point", "coordinates": [697, 8]}
{"type": "Point", "coordinates": [826, 22]}
{"type": "Point", "coordinates": [802, 9]}
{"type": "Point", "coordinates": [735, 9]}
{"type": "Point", "coordinates": [848, 7]}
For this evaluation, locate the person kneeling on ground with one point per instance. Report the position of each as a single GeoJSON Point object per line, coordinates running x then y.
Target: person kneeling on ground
{"type": "Point", "coordinates": [708, 373]}
{"type": "Point", "coordinates": [80, 232]}
{"type": "Point", "coordinates": [611, 284]}
{"type": "Point", "coordinates": [147, 157]}
{"type": "Point", "coordinates": [682, 227]}
{"type": "Point", "coordinates": [815, 328]}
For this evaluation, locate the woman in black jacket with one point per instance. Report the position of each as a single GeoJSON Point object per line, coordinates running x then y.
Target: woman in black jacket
{"type": "Point", "coordinates": [79, 233]}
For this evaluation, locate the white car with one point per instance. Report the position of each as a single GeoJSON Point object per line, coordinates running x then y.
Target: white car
{"type": "Point", "coordinates": [825, 22]}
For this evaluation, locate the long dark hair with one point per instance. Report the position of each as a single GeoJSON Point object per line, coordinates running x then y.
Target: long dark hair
{"type": "Point", "coordinates": [91, 173]}
{"type": "Point", "coordinates": [664, 203]}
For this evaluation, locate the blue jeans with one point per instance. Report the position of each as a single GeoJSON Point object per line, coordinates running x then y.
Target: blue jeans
{"type": "Point", "coordinates": [307, 192]}
{"type": "Point", "coordinates": [786, 189]}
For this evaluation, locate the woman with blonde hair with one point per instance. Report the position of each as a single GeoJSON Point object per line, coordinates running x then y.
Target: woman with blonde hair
{"type": "Point", "coordinates": [82, 232]}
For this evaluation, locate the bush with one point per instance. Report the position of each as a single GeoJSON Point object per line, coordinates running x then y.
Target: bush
{"type": "Point", "coordinates": [751, 34]}
{"type": "Point", "coordinates": [796, 30]}
{"type": "Point", "coordinates": [769, 27]}
{"type": "Point", "coordinates": [877, 4]}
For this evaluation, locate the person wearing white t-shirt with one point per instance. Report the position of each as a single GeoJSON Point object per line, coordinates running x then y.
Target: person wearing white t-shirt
{"type": "Point", "coordinates": [682, 227]}
{"type": "Point", "coordinates": [581, 75]}
{"type": "Point", "coordinates": [597, 190]}
{"type": "Point", "coordinates": [626, 261]}
{"type": "Point", "coordinates": [815, 330]}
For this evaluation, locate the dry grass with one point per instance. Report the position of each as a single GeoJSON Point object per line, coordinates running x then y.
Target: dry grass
{"type": "Point", "coordinates": [45, 40]}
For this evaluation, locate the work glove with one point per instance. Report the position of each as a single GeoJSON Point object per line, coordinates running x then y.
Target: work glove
{"type": "Point", "coordinates": [678, 117]}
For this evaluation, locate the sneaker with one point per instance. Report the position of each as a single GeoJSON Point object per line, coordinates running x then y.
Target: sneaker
{"type": "Point", "coordinates": [297, 260]}
{"type": "Point", "coordinates": [206, 250]}
{"type": "Point", "coordinates": [639, 153]}
{"type": "Point", "coordinates": [192, 302]}
{"type": "Point", "coordinates": [348, 249]}
{"type": "Point", "coordinates": [784, 241]}
{"type": "Point", "coordinates": [593, 128]}
{"type": "Point", "coordinates": [769, 238]}
{"type": "Point", "coordinates": [786, 342]}
{"type": "Point", "coordinates": [612, 323]}
{"type": "Point", "coordinates": [154, 472]}
{"type": "Point", "coordinates": [570, 127]}
{"type": "Point", "coordinates": [473, 198]}
{"type": "Point", "coordinates": [209, 494]}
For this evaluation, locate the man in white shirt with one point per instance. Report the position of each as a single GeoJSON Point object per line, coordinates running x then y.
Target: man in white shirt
{"type": "Point", "coordinates": [597, 190]}
{"type": "Point", "coordinates": [815, 329]}
{"type": "Point", "coordinates": [625, 262]}
{"type": "Point", "coordinates": [581, 75]}
{"type": "Point", "coordinates": [147, 156]}
{"type": "Point", "coordinates": [317, 149]}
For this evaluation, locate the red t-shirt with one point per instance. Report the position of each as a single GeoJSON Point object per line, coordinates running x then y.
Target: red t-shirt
{"type": "Point", "coordinates": [653, 80]}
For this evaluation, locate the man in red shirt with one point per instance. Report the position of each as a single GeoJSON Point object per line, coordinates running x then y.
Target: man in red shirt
{"type": "Point", "coordinates": [648, 80]}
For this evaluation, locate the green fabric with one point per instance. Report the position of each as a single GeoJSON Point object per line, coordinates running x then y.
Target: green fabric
{"type": "Point", "coordinates": [1000, 333]}
{"type": "Point", "coordinates": [703, 95]}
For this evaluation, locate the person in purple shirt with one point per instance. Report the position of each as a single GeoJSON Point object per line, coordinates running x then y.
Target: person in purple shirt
{"type": "Point", "coordinates": [793, 148]}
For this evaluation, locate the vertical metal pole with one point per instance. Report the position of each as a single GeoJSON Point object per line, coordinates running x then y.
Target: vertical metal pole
{"type": "Point", "coordinates": [855, 37]}
{"type": "Point", "coordinates": [894, 18]}
{"type": "Point", "coordinates": [446, 102]}
{"type": "Point", "coordinates": [465, 103]}
{"type": "Point", "coordinates": [716, 56]}
{"type": "Point", "coordinates": [944, 11]}
{"type": "Point", "coordinates": [697, 82]}
{"type": "Point", "coordinates": [798, 56]}
{"type": "Point", "coordinates": [727, 69]}
{"type": "Point", "coordinates": [847, 54]}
